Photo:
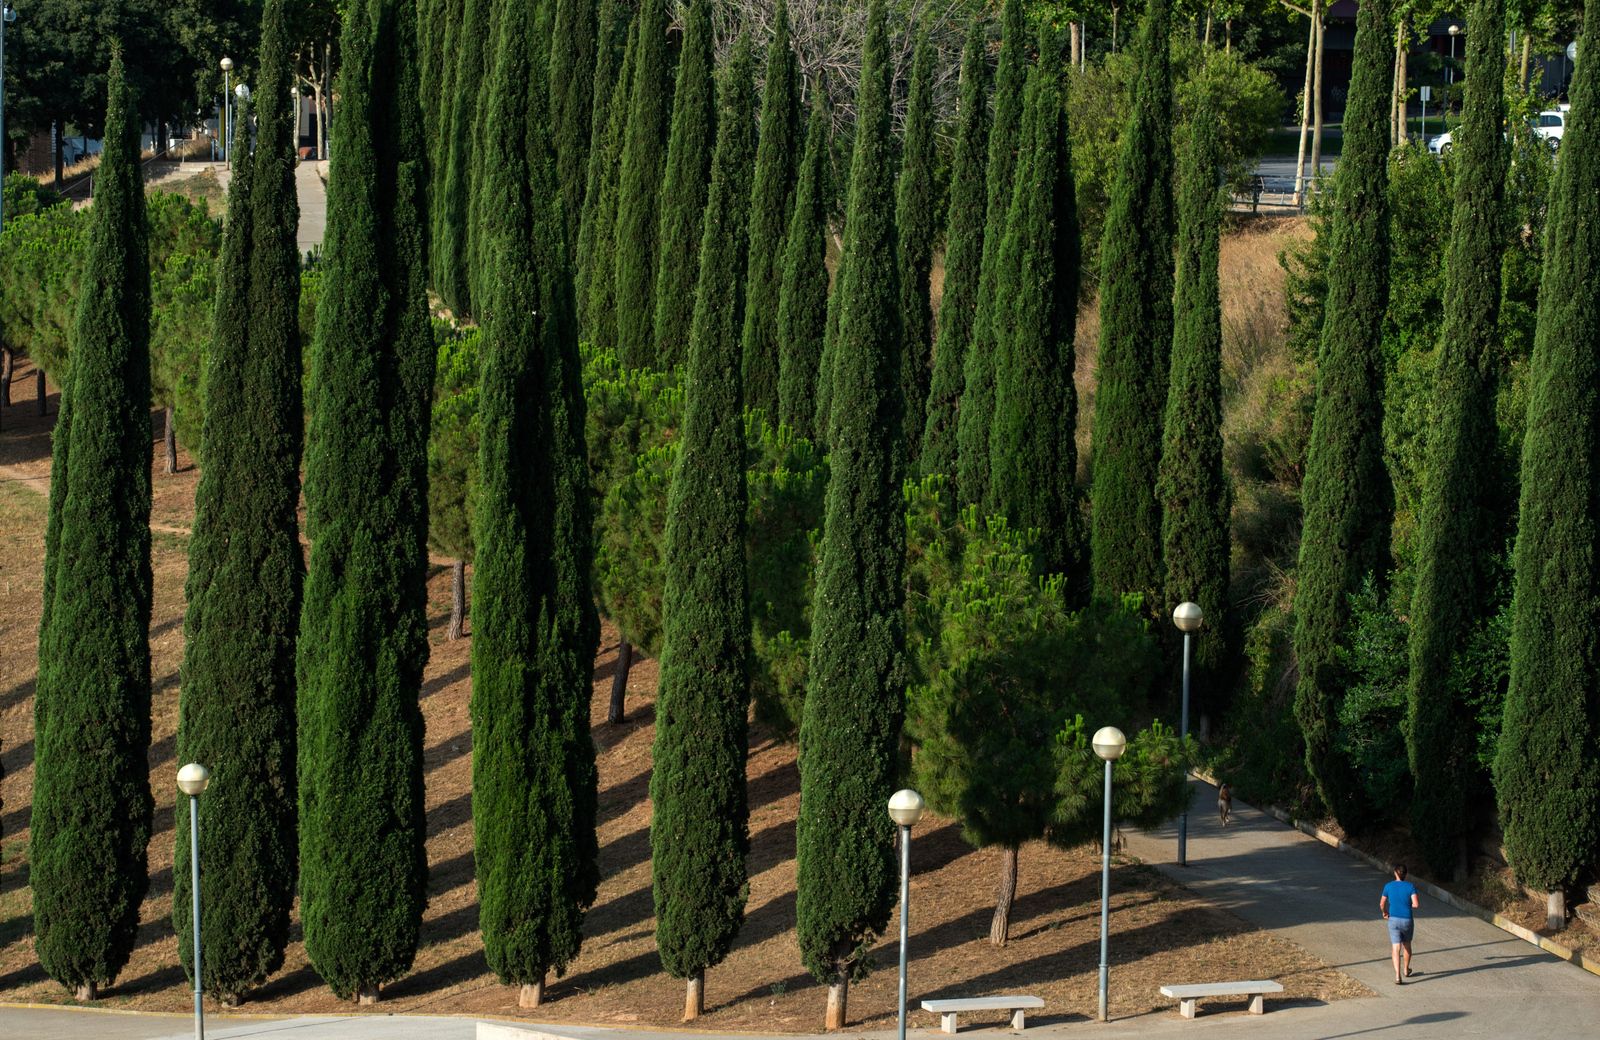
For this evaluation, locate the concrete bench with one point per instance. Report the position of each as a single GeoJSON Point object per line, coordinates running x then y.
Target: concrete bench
{"type": "Point", "coordinates": [1188, 996]}
{"type": "Point", "coordinates": [947, 1009]}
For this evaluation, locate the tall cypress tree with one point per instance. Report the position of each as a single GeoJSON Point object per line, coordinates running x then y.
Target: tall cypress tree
{"type": "Point", "coordinates": [1034, 447]}
{"type": "Point", "coordinates": [699, 834]}
{"type": "Point", "coordinates": [1196, 501]}
{"type": "Point", "coordinates": [643, 163]}
{"type": "Point", "coordinates": [443, 100]}
{"type": "Point", "coordinates": [364, 626]}
{"type": "Point", "coordinates": [91, 711]}
{"type": "Point", "coordinates": [975, 415]}
{"type": "Point", "coordinates": [682, 199]}
{"type": "Point", "coordinates": [1547, 768]}
{"type": "Point", "coordinates": [237, 709]}
{"type": "Point", "coordinates": [1462, 526]}
{"type": "Point", "coordinates": [1346, 495]}
{"type": "Point", "coordinates": [855, 705]}
{"type": "Point", "coordinates": [596, 283]}
{"type": "Point", "coordinates": [1135, 331]}
{"type": "Point", "coordinates": [451, 233]}
{"type": "Point", "coordinates": [772, 199]}
{"type": "Point", "coordinates": [918, 225]}
{"type": "Point", "coordinates": [533, 769]}
{"type": "Point", "coordinates": [963, 258]}
{"type": "Point", "coordinates": [803, 306]}
{"type": "Point", "coordinates": [573, 58]}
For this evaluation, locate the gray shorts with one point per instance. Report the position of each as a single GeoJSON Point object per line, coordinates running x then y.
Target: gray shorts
{"type": "Point", "coordinates": [1400, 929]}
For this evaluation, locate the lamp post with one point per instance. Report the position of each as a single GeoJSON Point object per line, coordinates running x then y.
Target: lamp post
{"type": "Point", "coordinates": [1188, 617]}
{"type": "Point", "coordinates": [192, 781]}
{"type": "Point", "coordinates": [227, 89]}
{"type": "Point", "coordinates": [1455, 30]}
{"type": "Point", "coordinates": [9, 16]}
{"type": "Point", "coordinates": [905, 809]}
{"type": "Point", "coordinates": [242, 93]}
{"type": "Point", "coordinates": [1109, 744]}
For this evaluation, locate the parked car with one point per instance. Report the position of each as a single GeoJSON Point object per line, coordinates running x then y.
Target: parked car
{"type": "Point", "coordinates": [1549, 125]}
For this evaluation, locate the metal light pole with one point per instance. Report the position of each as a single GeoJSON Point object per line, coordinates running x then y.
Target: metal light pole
{"type": "Point", "coordinates": [1109, 744]}
{"type": "Point", "coordinates": [905, 809]}
{"type": "Point", "coordinates": [9, 16]}
{"type": "Point", "coordinates": [1187, 617]}
{"type": "Point", "coordinates": [192, 781]}
{"type": "Point", "coordinates": [1455, 30]}
{"type": "Point", "coordinates": [227, 92]}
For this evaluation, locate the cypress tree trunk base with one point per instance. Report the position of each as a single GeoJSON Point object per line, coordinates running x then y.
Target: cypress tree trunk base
{"type": "Point", "coordinates": [694, 998]}
{"type": "Point", "coordinates": [617, 713]}
{"type": "Point", "coordinates": [531, 995]}
{"type": "Point", "coordinates": [7, 364]}
{"type": "Point", "coordinates": [169, 440]}
{"type": "Point", "coordinates": [38, 384]}
{"type": "Point", "coordinates": [1000, 928]}
{"type": "Point", "coordinates": [87, 991]}
{"type": "Point", "coordinates": [838, 1000]}
{"type": "Point", "coordinates": [366, 996]}
{"type": "Point", "coordinates": [1555, 910]}
{"type": "Point", "coordinates": [458, 599]}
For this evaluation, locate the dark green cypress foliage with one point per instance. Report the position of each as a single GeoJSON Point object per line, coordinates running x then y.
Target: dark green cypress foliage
{"type": "Point", "coordinates": [237, 711]}
{"type": "Point", "coordinates": [1196, 501]}
{"type": "Point", "coordinates": [855, 703]}
{"type": "Point", "coordinates": [803, 305]}
{"type": "Point", "coordinates": [682, 199]}
{"type": "Point", "coordinates": [643, 163]}
{"type": "Point", "coordinates": [1462, 526]}
{"type": "Point", "coordinates": [364, 627]}
{"type": "Point", "coordinates": [975, 415]}
{"type": "Point", "coordinates": [963, 259]}
{"type": "Point", "coordinates": [1034, 447]}
{"type": "Point", "coordinates": [573, 59]}
{"type": "Point", "coordinates": [1346, 495]}
{"type": "Point", "coordinates": [477, 215]}
{"type": "Point", "coordinates": [918, 225]}
{"type": "Point", "coordinates": [534, 779]}
{"type": "Point", "coordinates": [1135, 331]}
{"type": "Point", "coordinates": [443, 103]}
{"type": "Point", "coordinates": [451, 234]}
{"type": "Point", "coordinates": [1547, 769]}
{"type": "Point", "coordinates": [699, 834]}
{"type": "Point", "coordinates": [772, 199]}
{"type": "Point", "coordinates": [596, 282]}
{"type": "Point", "coordinates": [91, 782]}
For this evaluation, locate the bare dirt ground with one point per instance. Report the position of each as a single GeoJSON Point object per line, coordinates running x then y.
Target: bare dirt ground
{"type": "Point", "coordinates": [1159, 931]}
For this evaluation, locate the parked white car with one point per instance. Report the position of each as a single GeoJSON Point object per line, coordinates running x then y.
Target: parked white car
{"type": "Point", "coordinates": [1549, 125]}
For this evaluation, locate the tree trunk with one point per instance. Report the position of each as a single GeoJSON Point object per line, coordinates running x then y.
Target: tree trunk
{"type": "Point", "coordinates": [458, 598]}
{"type": "Point", "coordinates": [694, 997]}
{"type": "Point", "coordinates": [838, 1000]}
{"type": "Point", "coordinates": [169, 440]}
{"type": "Point", "coordinates": [87, 991]}
{"type": "Point", "coordinates": [366, 996]}
{"type": "Point", "coordinates": [618, 711]}
{"type": "Point", "coordinates": [38, 385]}
{"type": "Point", "coordinates": [8, 363]}
{"type": "Point", "coordinates": [60, 157]}
{"type": "Point", "coordinates": [1206, 41]}
{"type": "Point", "coordinates": [1000, 928]}
{"type": "Point", "coordinates": [1114, 10]}
{"type": "Point", "coordinates": [1227, 36]}
{"type": "Point", "coordinates": [327, 100]}
{"type": "Point", "coordinates": [1077, 45]}
{"type": "Point", "coordinates": [1527, 55]}
{"type": "Point", "coordinates": [531, 995]}
{"type": "Point", "coordinates": [1555, 910]}
{"type": "Point", "coordinates": [1305, 111]}
{"type": "Point", "coordinates": [1394, 93]}
{"type": "Point", "coordinates": [1316, 89]}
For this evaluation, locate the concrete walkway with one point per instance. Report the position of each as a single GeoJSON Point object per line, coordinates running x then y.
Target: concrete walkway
{"type": "Point", "coordinates": [312, 189]}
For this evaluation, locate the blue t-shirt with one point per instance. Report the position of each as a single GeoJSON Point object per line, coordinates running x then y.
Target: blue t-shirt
{"type": "Point", "coordinates": [1399, 894]}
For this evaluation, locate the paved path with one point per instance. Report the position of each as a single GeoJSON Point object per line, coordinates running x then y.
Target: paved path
{"type": "Point", "coordinates": [313, 194]}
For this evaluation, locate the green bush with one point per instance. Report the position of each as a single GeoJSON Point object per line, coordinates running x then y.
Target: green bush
{"type": "Point", "coordinates": [1373, 712]}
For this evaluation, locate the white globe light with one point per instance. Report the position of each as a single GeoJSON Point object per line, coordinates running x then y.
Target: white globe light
{"type": "Point", "coordinates": [1109, 743]}
{"type": "Point", "coordinates": [227, 64]}
{"type": "Point", "coordinates": [905, 807]}
{"type": "Point", "coordinates": [193, 779]}
{"type": "Point", "coordinates": [1188, 617]}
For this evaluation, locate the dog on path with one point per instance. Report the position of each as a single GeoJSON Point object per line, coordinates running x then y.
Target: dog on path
{"type": "Point", "coordinates": [1224, 803]}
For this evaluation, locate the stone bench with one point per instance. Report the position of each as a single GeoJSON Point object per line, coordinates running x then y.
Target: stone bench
{"type": "Point", "coordinates": [1189, 996]}
{"type": "Point", "coordinates": [947, 1009]}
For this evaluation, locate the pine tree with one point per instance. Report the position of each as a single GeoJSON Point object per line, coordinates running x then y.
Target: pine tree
{"type": "Point", "coordinates": [963, 258]}
{"type": "Point", "coordinates": [1547, 767]}
{"type": "Point", "coordinates": [596, 282]}
{"type": "Point", "coordinates": [237, 708]}
{"type": "Point", "coordinates": [1461, 525]}
{"type": "Point", "coordinates": [364, 626]}
{"type": "Point", "coordinates": [699, 834]}
{"type": "Point", "coordinates": [1346, 495]}
{"type": "Point", "coordinates": [682, 199]}
{"type": "Point", "coordinates": [534, 779]}
{"type": "Point", "coordinates": [92, 807]}
{"type": "Point", "coordinates": [918, 225]}
{"type": "Point", "coordinates": [975, 414]}
{"type": "Point", "coordinates": [1196, 502]}
{"type": "Point", "coordinates": [803, 306]}
{"type": "Point", "coordinates": [573, 59]}
{"type": "Point", "coordinates": [1135, 331]}
{"type": "Point", "coordinates": [643, 164]}
{"type": "Point", "coordinates": [772, 199]}
{"type": "Point", "coordinates": [1033, 447]}
{"type": "Point", "coordinates": [451, 232]}
{"type": "Point", "coordinates": [855, 703]}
